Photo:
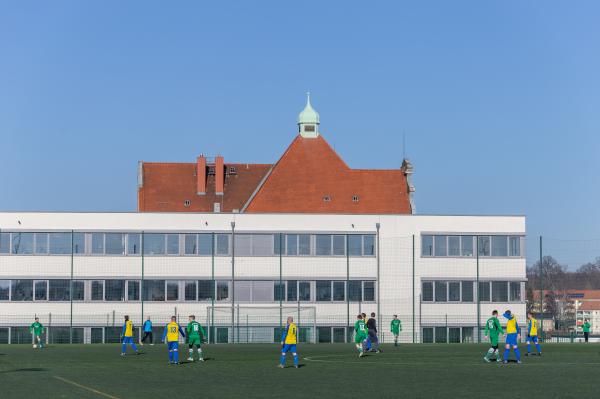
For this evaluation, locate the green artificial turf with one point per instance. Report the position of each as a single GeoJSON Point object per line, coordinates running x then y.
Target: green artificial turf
{"type": "Point", "coordinates": [327, 370]}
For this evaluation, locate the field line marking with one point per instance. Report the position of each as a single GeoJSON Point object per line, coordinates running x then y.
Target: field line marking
{"type": "Point", "coordinates": [313, 359]}
{"type": "Point", "coordinates": [97, 392]}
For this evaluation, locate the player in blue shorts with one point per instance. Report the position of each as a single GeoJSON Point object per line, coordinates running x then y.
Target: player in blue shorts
{"type": "Point", "coordinates": [288, 342]}
{"type": "Point", "coordinates": [532, 334]}
{"type": "Point", "coordinates": [513, 335]}
{"type": "Point", "coordinates": [171, 334]}
{"type": "Point", "coordinates": [127, 335]}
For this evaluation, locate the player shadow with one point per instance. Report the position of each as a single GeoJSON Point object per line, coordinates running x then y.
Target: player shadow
{"type": "Point", "coordinates": [24, 370]}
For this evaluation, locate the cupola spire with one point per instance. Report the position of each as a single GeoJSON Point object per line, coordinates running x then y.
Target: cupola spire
{"type": "Point", "coordinates": [308, 120]}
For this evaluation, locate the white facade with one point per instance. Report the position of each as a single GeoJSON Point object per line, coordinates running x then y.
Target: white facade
{"type": "Point", "coordinates": [434, 296]}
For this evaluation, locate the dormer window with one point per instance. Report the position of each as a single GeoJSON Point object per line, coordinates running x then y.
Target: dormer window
{"type": "Point", "coordinates": [309, 128]}
{"type": "Point", "coordinates": [355, 198]}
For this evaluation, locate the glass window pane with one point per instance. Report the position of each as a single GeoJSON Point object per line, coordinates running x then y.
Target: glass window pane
{"type": "Point", "coordinates": [4, 290]}
{"type": "Point", "coordinates": [369, 245]}
{"type": "Point", "coordinates": [454, 335]}
{"type": "Point", "coordinates": [339, 245]}
{"type": "Point", "coordinates": [467, 291]}
{"type": "Point", "coordinates": [279, 291]}
{"type": "Point", "coordinates": [172, 290]}
{"type": "Point", "coordinates": [453, 245]}
{"type": "Point", "coordinates": [190, 244]}
{"type": "Point", "coordinates": [222, 244]}
{"type": "Point", "coordinates": [78, 243]}
{"type": "Point", "coordinates": [515, 291]}
{"type": "Point", "coordinates": [114, 290]}
{"type": "Point", "coordinates": [97, 290]}
{"type": "Point", "coordinates": [278, 243]}
{"type": "Point", "coordinates": [484, 245]}
{"type": "Point", "coordinates": [499, 246]}
{"type": "Point", "coordinates": [206, 290]}
{"type": "Point", "coordinates": [154, 244]}
{"type": "Point", "coordinates": [441, 294]}
{"type": "Point", "coordinates": [262, 244]}
{"type": "Point", "coordinates": [98, 243]}
{"type": "Point", "coordinates": [134, 243]}
{"type": "Point", "coordinates": [78, 290]}
{"type": "Point", "coordinates": [441, 335]}
{"type": "Point", "coordinates": [355, 245]}
{"type": "Point", "coordinates": [304, 244]}
{"type": "Point", "coordinates": [323, 290]}
{"type": "Point", "coordinates": [243, 245]}
{"type": "Point", "coordinates": [60, 243]}
{"type": "Point", "coordinates": [190, 291]}
{"type": "Point", "coordinates": [355, 290]}
{"type": "Point", "coordinates": [427, 291]}
{"type": "Point", "coordinates": [114, 243]}
{"type": "Point", "coordinates": [339, 293]}
{"type": "Point", "coordinates": [205, 244]}
{"type": "Point", "coordinates": [304, 291]}
{"type": "Point", "coordinates": [243, 291]}
{"type": "Point", "coordinates": [133, 290]}
{"type": "Point", "coordinates": [262, 291]}
{"type": "Point", "coordinates": [369, 291]}
{"type": "Point", "coordinates": [41, 243]}
{"type": "Point", "coordinates": [454, 291]}
{"type": "Point", "coordinates": [292, 290]}
{"type": "Point", "coordinates": [22, 290]}
{"type": "Point", "coordinates": [59, 290]}
{"type": "Point", "coordinates": [291, 244]}
{"type": "Point", "coordinates": [441, 248]}
{"type": "Point", "coordinates": [4, 243]}
{"type": "Point", "coordinates": [484, 291]}
{"type": "Point", "coordinates": [499, 291]}
{"type": "Point", "coordinates": [22, 243]}
{"type": "Point", "coordinates": [173, 244]}
{"type": "Point", "coordinates": [466, 245]}
{"type": "Point", "coordinates": [426, 245]}
{"type": "Point", "coordinates": [222, 290]}
{"type": "Point", "coordinates": [323, 244]}
{"type": "Point", "coordinates": [41, 290]}
{"type": "Point", "coordinates": [467, 335]}
{"type": "Point", "coordinates": [153, 290]}
{"type": "Point", "coordinates": [428, 335]}
{"type": "Point", "coordinates": [515, 246]}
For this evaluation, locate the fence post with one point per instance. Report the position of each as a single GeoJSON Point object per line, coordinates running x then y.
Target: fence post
{"type": "Point", "coordinates": [71, 292]}
{"type": "Point", "coordinates": [347, 284]}
{"type": "Point", "coordinates": [142, 239]}
{"type": "Point", "coordinates": [478, 298]}
{"type": "Point", "coordinates": [413, 288]}
{"type": "Point", "coordinates": [378, 226]}
{"type": "Point", "coordinates": [542, 291]}
{"type": "Point", "coordinates": [233, 282]}
{"type": "Point", "coordinates": [214, 288]}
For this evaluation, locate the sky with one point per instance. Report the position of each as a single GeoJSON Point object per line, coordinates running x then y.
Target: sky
{"type": "Point", "coordinates": [499, 102]}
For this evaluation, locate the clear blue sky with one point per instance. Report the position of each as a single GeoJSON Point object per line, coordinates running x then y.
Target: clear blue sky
{"type": "Point", "coordinates": [499, 101]}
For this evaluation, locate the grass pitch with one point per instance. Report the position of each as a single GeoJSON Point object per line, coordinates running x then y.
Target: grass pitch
{"type": "Point", "coordinates": [249, 371]}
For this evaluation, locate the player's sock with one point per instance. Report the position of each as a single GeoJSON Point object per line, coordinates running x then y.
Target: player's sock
{"type": "Point", "coordinates": [134, 347]}
{"type": "Point", "coordinates": [489, 353]}
{"type": "Point", "coordinates": [506, 354]}
{"type": "Point", "coordinates": [296, 359]}
{"type": "Point", "coordinates": [176, 356]}
{"type": "Point", "coordinates": [538, 347]}
{"type": "Point", "coordinates": [170, 356]}
{"type": "Point", "coordinates": [191, 353]}
{"type": "Point", "coordinates": [497, 354]}
{"type": "Point", "coordinates": [200, 354]}
{"type": "Point", "coordinates": [282, 360]}
{"type": "Point", "coordinates": [528, 348]}
{"type": "Point", "coordinates": [518, 354]}
{"type": "Point", "coordinates": [123, 347]}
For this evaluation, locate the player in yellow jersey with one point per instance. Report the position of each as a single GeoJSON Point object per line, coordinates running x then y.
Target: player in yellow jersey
{"type": "Point", "coordinates": [532, 334]}
{"type": "Point", "coordinates": [127, 337]}
{"type": "Point", "coordinates": [171, 334]}
{"type": "Point", "coordinates": [288, 342]}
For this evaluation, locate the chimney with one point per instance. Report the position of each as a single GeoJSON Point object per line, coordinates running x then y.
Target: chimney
{"type": "Point", "coordinates": [201, 175]}
{"type": "Point", "coordinates": [219, 175]}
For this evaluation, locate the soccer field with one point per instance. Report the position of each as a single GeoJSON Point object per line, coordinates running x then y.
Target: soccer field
{"type": "Point", "coordinates": [334, 370]}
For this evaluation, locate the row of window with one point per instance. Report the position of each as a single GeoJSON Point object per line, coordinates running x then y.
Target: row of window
{"type": "Point", "coordinates": [444, 334]}
{"type": "Point", "coordinates": [465, 246]}
{"type": "Point", "coordinates": [463, 291]}
{"type": "Point", "coordinates": [187, 244]}
{"type": "Point", "coordinates": [187, 290]}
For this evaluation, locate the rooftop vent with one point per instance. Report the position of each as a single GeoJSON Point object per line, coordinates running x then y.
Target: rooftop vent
{"type": "Point", "coordinates": [355, 198]}
{"type": "Point", "coordinates": [326, 198]}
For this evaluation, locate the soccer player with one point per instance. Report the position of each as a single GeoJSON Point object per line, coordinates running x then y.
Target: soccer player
{"type": "Point", "coordinates": [171, 333]}
{"type": "Point", "coordinates": [368, 341]}
{"type": "Point", "coordinates": [532, 335]}
{"type": "Point", "coordinates": [513, 335]}
{"type": "Point", "coordinates": [127, 336]}
{"type": "Point", "coordinates": [288, 342]}
{"type": "Point", "coordinates": [195, 336]}
{"type": "Point", "coordinates": [395, 328]}
{"type": "Point", "coordinates": [147, 327]}
{"type": "Point", "coordinates": [360, 335]}
{"type": "Point", "coordinates": [372, 328]}
{"type": "Point", "coordinates": [36, 328]}
{"type": "Point", "coordinates": [493, 328]}
{"type": "Point", "coordinates": [586, 329]}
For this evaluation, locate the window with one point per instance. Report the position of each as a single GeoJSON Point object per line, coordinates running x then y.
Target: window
{"type": "Point", "coordinates": [133, 290]}
{"type": "Point", "coordinates": [466, 245]}
{"type": "Point", "coordinates": [323, 244]}
{"type": "Point", "coordinates": [206, 290]}
{"type": "Point", "coordinates": [278, 242]}
{"type": "Point", "coordinates": [467, 291]}
{"type": "Point", "coordinates": [262, 244]}
{"type": "Point", "coordinates": [323, 290]}
{"type": "Point", "coordinates": [514, 246]}
{"type": "Point", "coordinates": [484, 245]}
{"type": "Point", "coordinates": [59, 290]}
{"type": "Point", "coordinates": [499, 246]}
{"type": "Point", "coordinates": [222, 244]}
{"type": "Point", "coordinates": [428, 335]}
{"type": "Point", "coordinates": [153, 290]}
{"type": "Point", "coordinates": [304, 244]}
{"type": "Point", "coordinates": [454, 291]}
{"type": "Point", "coordinates": [441, 335]}
{"type": "Point", "coordinates": [441, 294]}
{"type": "Point", "coordinates": [339, 245]}
{"type": "Point", "coordinates": [440, 245]}
{"type": "Point", "coordinates": [4, 290]}
{"type": "Point", "coordinates": [60, 243]}
{"type": "Point", "coordinates": [97, 243]}
{"type": "Point", "coordinates": [97, 290]}
{"type": "Point", "coordinates": [114, 290]}
{"type": "Point", "coordinates": [205, 244]}
{"type": "Point", "coordinates": [355, 290]}
{"type": "Point", "coordinates": [453, 245]}
{"type": "Point", "coordinates": [133, 244]}
{"type": "Point", "coordinates": [243, 245]}
{"type": "Point", "coordinates": [190, 293]}
{"type": "Point", "coordinates": [154, 244]}
{"type": "Point", "coordinates": [291, 244]}
{"type": "Point", "coordinates": [222, 290]}
{"type": "Point", "coordinates": [78, 243]}
{"type": "Point", "coordinates": [304, 291]}
{"type": "Point", "coordinates": [41, 290]}
{"type": "Point", "coordinates": [454, 335]}
{"type": "Point", "coordinates": [369, 245]}
{"type": "Point", "coordinates": [172, 290]}
{"type": "Point", "coordinates": [484, 291]}
{"type": "Point", "coordinates": [22, 290]}
{"type": "Point", "coordinates": [355, 198]}
{"type": "Point", "coordinates": [369, 291]}
{"type": "Point", "coordinates": [243, 291]}
{"type": "Point", "coordinates": [78, 290]}
{"type": "Point", "coordinates": [292, 290]}
{"type": "Point", "coordinates": [339, 291]}
{"type": "Point", "coordinates": [41, 243]}
{"type": "Point", "coordinates": [426, 245]}
{"type": "Point", "coordinates": [114, 244]}
{"type": "Point", "coordinates": [355, 245]}
{"type": "Point", "coordinates": [262, 291]}
{"type": "Point", "coordinates": [515, 291]}
{"type": "Point", "coordinates": [427, 291]}
{"type": "Point", "coordinates": [22, 243]}
{"type": "Point", "coordinates": [279, 291]}
{"type": "Point", "coordinates": [172, 244]}
{"type": "Point", "coordinates": [499, 291]}
{"type": "Point", "coordinates": [4, 243]}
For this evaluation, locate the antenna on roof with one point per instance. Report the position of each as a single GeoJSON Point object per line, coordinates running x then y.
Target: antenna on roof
{"type": "Point", "coordinates": [403, 145]}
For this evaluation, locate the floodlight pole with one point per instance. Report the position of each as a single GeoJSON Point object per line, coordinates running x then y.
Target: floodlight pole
{"type": "Point", "coordinates": [71, 291]}
{"type": "Point", "coordinates": [542, 291]}
{"type": "Point", "coordinates": [478, 297]}
{"type": "Point", "coordinates": [233, 282]}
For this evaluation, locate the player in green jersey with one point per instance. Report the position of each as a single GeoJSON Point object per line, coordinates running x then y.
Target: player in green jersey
{"type": "Point", "coordinates": [360, 335]}
{"type": "Point", "coordinates": [493, 328]}
{"type": "Point", "coordinates": [36, 329]}
{"type": "Point", "coordinates": [195, 335]}
{"type": "Point", "coordinates": [395, 328]}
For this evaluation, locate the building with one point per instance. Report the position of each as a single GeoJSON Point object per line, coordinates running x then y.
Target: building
{"type": "Point", "coordinates": [591, 311]}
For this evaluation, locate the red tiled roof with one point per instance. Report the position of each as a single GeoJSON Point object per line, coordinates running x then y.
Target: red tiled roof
{"type": "Point", "coordinates": [589, 305]}
{"type": "Point", "coordinates": [582, 295]}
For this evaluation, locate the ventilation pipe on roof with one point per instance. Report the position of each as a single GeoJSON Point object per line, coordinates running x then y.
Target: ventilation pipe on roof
{"type": "Point", "coordinates": [219, 175]}
{"type": "Point", "coordinates": [201, 175]}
